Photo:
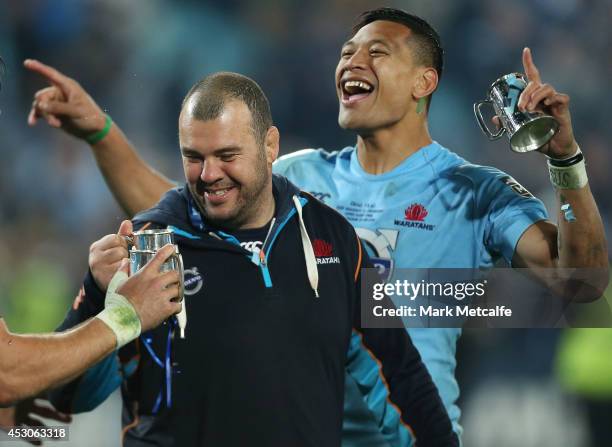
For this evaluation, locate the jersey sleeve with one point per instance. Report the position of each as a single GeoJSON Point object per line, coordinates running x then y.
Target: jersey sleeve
{"type": "Point", "coordinates": [396, 385]}
{"type": "Point", "coordinates": [508, 209]}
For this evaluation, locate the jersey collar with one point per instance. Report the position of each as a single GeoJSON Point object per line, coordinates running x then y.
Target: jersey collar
{"type": "Point", "coordinates": [414, 162]}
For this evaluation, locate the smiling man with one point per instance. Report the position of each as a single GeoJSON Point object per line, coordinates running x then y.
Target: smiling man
{"type": "Point", "coordinates": [414, 203]}
{"type": "Point", "coordinates": [235, 191]}
{"type": "Point", "coordinates": [273, 331]}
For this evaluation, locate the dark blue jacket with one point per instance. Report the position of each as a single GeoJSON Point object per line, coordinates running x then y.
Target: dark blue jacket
{"type": "Point", "coordinates": [264, 358]}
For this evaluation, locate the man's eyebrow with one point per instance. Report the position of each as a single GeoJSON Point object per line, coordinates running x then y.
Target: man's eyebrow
{"type": "Point", "coordinates": [227, 150]}
{"type": "Point", "coordinates": [221, 151]}
{"type": "Point", "coordinates": [370, 42]}
{"type": "Point", "coordinates": [384, 42]}
{"type": "Point", "coordinates": [189, 152]}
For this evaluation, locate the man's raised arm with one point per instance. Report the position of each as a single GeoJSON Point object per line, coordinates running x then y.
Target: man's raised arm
{"type": "Point", "coordinates": [578, 241]}
{"type": "Point", "coordinates": [66, 105]}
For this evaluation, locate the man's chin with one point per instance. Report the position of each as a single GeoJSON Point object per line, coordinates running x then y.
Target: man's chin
{"type": "Point", "coordinates": [216, 216]}
{"type": "Point", "coordinates": [346, 123]}
{"type": "Point", "coordinates": [360, 127]}
{"type": "Point", "coordinates": [352, 121]}
{"type": "Point", "coordinates": [222, 220]}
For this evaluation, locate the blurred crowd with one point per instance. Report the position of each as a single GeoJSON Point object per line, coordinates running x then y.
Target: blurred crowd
{"type": "Point", "coordinates": [138, 58]}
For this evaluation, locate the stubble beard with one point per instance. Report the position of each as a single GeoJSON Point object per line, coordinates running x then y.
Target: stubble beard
{"type": "Point", "coordinates": [248, 202]}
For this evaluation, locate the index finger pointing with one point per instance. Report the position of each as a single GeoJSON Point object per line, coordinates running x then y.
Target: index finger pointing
{"type": "Point", "coordinates": [50, 73]}
{"type": "Point", "coordinates": [530, 69]}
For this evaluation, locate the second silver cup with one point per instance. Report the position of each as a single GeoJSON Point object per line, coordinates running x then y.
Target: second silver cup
{"type": "Point", "coordinates": [527, 131]}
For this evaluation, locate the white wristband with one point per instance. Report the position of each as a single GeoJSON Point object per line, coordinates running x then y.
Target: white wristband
{"type": "Point", "coordinates": [569, 173]}
{"type": "Point", "coordinates": [119, 314]}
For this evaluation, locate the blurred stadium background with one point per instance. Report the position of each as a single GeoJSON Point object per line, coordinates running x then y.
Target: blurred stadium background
{"type": "Point", "coordinates": [138, 58]}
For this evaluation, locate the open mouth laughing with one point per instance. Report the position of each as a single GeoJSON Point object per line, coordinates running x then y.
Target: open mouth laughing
{"type": "Point", "coordinates": [355, 90]}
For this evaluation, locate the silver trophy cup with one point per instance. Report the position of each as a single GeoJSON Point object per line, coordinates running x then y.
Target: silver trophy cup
{"type": "Point", "coordinates": [527, 131]}
{"type": "Point", "coordinates": [146, 244]}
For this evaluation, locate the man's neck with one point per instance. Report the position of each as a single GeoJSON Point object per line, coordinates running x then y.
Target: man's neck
{"type": "Point", "coordinates": [384, 149]}
{"type": "Point", "coordinates": [264, 210]}
{"type": "Point", "coordinates": [265, 213]}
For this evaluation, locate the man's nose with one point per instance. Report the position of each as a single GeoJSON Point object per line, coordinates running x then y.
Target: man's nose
{"type": "Point", "coordinates": [358, 60]}
{"type": "Point", "coordinates": [211, 172]}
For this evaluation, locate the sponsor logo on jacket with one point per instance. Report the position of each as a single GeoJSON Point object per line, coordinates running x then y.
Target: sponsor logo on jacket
{"type": "Point", "coordinates": [414, 217]}
{"type": "Point", "coordinates": [251, 245]}
{"type": "Point", "coordinates": [324, 252]}
{"type": "Point", "coordinates": [193, 281]}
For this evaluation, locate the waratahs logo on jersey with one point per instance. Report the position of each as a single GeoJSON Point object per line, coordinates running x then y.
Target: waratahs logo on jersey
{"type": "Point", "coordinates": [416, 212]}
{"type": "Point", "coordinates": [380, 244]}
{"type": "Point", "coordinates": [414, 217]}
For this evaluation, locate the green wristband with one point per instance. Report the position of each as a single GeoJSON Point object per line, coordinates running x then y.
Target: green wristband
{"type": "Point", "coordinates": [99, 135]}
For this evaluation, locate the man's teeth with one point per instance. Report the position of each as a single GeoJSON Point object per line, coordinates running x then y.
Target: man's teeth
{"type": "Point", "coordinates": [358, 84]}
{"type": "Point", "coordinates": [218, 192]}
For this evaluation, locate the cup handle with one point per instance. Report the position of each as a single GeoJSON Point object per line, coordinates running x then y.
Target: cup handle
{"type": "Point", "coordinates": [481, 122]}
{"type": "Point", "coordinates": [179, 259]}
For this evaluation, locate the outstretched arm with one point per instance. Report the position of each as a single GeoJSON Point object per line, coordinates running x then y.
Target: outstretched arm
{"type": "Point", "coordinates": [578, 241]}
{"type": "Point", "coordinates": [32, 363]}
{"type": "Point", "coordinates": [66, 105]}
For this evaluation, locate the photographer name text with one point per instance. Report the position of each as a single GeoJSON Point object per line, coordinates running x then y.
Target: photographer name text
{"type": "Point", "coordinates": [446, 311]}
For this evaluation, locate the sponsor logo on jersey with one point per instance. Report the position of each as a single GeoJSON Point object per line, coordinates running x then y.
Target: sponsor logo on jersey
{"type": "Point", "coordinates": [321, 195]}
{"type": "Point", "coordinates": [416, 212]}
{"type": "Point", "coordinates": [414, 217]}
{"type": "Point", "coordinates": [380, 244]}
{"type": "Point", "coordinates": [251, 245]}
{"type": "Point", "coordinates": [516, 187]}
{"type": "Point", "coordinates": [323, 251]}
{"type": "Point", "coordinates": [193, 281]}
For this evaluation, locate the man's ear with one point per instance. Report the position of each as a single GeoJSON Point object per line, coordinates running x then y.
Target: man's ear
{"type": "Point", "coordinates": [272, 144]}
{"type": "Point", "coordinates": [426, 84]}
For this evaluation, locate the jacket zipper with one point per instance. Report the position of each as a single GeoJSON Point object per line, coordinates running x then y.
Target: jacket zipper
{"type": "Point", "coordinates": [259, 258]}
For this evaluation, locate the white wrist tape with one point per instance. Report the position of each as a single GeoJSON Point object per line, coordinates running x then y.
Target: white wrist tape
{"type": "Point", "coordinates": [569, 173]}
{"type": "Point", "coordinates": [119, 314]}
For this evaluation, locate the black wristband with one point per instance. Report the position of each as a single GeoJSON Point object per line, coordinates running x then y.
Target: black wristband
{"type": "Point", "coordinates": [567, 162]}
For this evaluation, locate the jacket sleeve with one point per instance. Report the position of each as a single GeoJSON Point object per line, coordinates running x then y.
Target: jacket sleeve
{"type": "Point", "coordinates": [92, 388]}
{"type": "Point", "coordinates": [396, 385]}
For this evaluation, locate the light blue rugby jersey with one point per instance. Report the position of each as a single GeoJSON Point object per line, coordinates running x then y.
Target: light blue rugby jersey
{"type": "Point", "coordinates": [433, 210]}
